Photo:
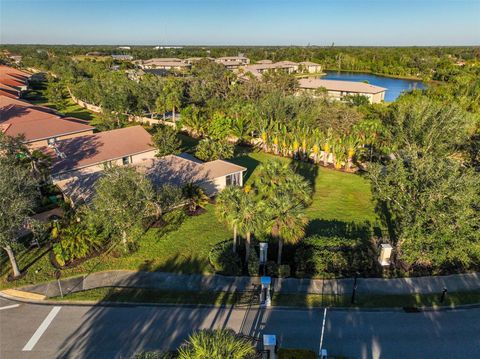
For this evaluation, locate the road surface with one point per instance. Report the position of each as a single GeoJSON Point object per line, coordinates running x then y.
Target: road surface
{"type": "Point", "coordinates": [48, 331]}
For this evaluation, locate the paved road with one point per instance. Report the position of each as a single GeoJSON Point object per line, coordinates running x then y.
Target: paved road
{"type": "Point", "coordinates": [117, 332]}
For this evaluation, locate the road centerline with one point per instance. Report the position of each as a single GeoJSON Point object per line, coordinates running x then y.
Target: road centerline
{"type": "Point", "coordinates": [41, 329]}
{"type": "Point", "coordinates": [10, 306]}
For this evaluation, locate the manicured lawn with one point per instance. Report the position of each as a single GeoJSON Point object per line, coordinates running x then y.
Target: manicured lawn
{"type": "Point", "coordinates": [339, 198]}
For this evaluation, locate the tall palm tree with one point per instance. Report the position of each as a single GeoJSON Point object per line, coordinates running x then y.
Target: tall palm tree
{"type": "Point", "coordinates": [173, 95]}
{"type": "Point", "coordinates": [287, 221]}
{"type": "Point", "coordinates": [272, 175]}
{"type": "Point", "coordinates": [228, 209]}
{"type": "Point", "coordinates": [250, 219]}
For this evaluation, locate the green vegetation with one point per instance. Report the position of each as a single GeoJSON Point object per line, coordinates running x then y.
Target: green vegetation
{"type": "Point", "coordinates": [452, 299]}
{"type": "Point", "coordinates": [285, 353]}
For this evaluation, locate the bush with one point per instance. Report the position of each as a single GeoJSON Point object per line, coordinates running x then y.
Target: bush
{"type": "Point", "coordinates": [253, 263]}
{"type": "Point", "coordinates": [330, 257]}
{"type": "Point", "coordinates": [271, 268]}
{"type": "Point", "coordinates": [284, 271]}
{"type": "Point", "coordinates": [224, 261]}
{"type": "Point", "coordinates": [296, 354]}
{"type": "Point", "coordinates": [209, 150]}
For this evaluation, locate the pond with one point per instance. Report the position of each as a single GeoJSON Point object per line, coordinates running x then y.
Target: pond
{"type": "Point", "coordinates": [394, 86]}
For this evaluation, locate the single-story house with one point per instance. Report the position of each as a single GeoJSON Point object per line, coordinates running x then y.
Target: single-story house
{"type": "Point", "coordinates": [91, 153]}
{"type": "Point", "coordinates": [338, 89]}
{"type": "Point", "coordinates": [178, 170]}
{"type": "Point", "coordinates": [13, 82]}
{"type": "Point", "coordinates": [39, 126]}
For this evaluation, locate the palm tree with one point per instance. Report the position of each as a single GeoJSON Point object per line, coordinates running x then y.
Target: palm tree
{"type": "Point", "coordinates": [173, 95]}
{"type": "Point", "coordinates": [228, 208]}
{"type": "Point", "coordinates": [287, 221]}
{"type": "Point", "coordinates": [217, 344]}
{"type": "Point", "coordinates": [250, 219]}
{"type": "Point", "coordinates": [195, 196]}
{"type": "Point", "coordinates": [272, 175]}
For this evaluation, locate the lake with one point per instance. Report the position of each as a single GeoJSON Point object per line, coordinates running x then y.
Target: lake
{"type": "Point", "coordinates": [394, 86]}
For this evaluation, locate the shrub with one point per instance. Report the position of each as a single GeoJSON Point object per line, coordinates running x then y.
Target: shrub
{"type": "Point", "coordinates": [253, 263]}
{"type": "Point", "coordinates": [224, 261]}
{"type": "Point", "coordinates": [209, 150]}
{"type": "Point", "coordinates": [330, 257]}
{"type": "Point", "coordinates": [296, 354]}
{"type": "Point", "coordinates": [284, 271]}
{"type": "Point", "coordinates": [194, 196]}
{"type": "Point", "coordinates": [271, 268]}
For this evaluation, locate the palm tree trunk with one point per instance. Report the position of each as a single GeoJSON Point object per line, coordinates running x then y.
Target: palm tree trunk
{"type": "Point", "coordinates": [234, 239]}
{"type": "Point", "coordinates": [13, 261]}
{"type": "Point", "coordinates": [280, 249]}
{"type": "Point", "coordinates": [247, 247]}
{"type": "Point", "coordinates": [124, 240]}
{"type": "Point", "coordinates": [173, 114]}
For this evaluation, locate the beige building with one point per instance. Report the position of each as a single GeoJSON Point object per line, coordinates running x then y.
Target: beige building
{"type": "Point", "coordinates": [170, 63]}
{"type": "Point", "coordinates": [338, 89]}
{"type": "Point", "coordinates": [92, 153]}
{"type": "Point", "coordinates": [288, 67]}
{"type": "Point", "coordinates": [233, 62]}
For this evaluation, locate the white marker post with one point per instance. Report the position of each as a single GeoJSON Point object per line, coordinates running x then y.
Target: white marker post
{"type": "Point", "coordinates": [322, 353]}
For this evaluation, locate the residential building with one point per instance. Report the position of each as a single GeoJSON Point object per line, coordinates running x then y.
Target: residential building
{"type": "Point", "coordinates": [310, 67]}
{"type": "Point", "coordinates": [288, 67]}
{"type": "Point", "coordinates": [91, 153]}
{"type": "Point", "coordinates": [165, 64]}
{"type": "Point", "coordinates": [122, 57]}
{"type": "Point", "coordinates": [233, 62]}
{"type": "Point", "coordinates": [338, 89]}
{"type": "Point", "coordinates": [179, 170]}
{"type": "Point", "coordinates": [13, 82]}
{"type": "Point", "coordinates": [40, 126]}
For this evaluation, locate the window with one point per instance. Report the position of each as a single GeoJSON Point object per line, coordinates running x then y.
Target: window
{"type": "Point", "coordinates": [233, 179]}
{"type": "Point", "coordinates": [126, 160]}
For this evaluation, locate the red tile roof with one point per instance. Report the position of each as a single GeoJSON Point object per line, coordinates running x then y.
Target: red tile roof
{"type": "Point", "coordinates": [37, 125]}
{"type": "Point", "coordinates": [6, 102]}
{"type": "Point", "coordinates": [100, 147]}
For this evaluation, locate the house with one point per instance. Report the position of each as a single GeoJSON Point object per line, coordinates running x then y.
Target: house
{"type": "Point", "coordinates": [165, 64]}
{"type": "Point", "coordinates": [288, 67]}
{"type": "Point", "coordinates": [91, 153]}
{"type": "Point", "coordinates": [40, 126]}
{"type": "Point", "coordinates": [338, 89]}
{"type": "Point", "coordinates": [310, 67]}
{"type": "Point", "coordinates": [13, 82]}
{"type": "Point", "coordinates": [233, 62]}
{"type": "Point", "coordinates": [179, 170]}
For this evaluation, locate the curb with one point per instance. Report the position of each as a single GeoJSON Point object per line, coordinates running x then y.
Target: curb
{"type": "Point", "coordinates": [280, 307]}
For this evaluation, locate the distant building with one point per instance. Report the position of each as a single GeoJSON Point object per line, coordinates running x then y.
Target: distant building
{"type": "Point", "coordinates": [338, 89]}
{"type": "Point", "coordinates": [288, 67]}
{"type": "Point", "coordinates": [40, 126]}
{"type": "Point", "coordinates": [123, 57]}
{"type": "Point", "coordinates": [124, 47]}
{"type": "Point", "coordinates": [233, 62]}
{"type": "Point", "coordinates": [165, 64]}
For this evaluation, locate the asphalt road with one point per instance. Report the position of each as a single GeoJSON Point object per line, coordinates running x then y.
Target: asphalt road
{"type": "Point", "coordinates": [47, 331]}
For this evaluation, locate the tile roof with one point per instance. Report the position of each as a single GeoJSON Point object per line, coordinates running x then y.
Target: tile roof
{"type": "Point", "coordinates": [37, 125]}
{"type": "Point", "coordinates": [6, 101]}
{"type": "Point", "coordinates": [337, 85]}
{"type": "Point", "coordinates": [84, 151]}
{"type": "Point", "coordinates": [179, 170]}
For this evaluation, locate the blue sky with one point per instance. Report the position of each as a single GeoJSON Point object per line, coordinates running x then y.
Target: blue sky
{"type": "Point", "coordinates": [241, 22]}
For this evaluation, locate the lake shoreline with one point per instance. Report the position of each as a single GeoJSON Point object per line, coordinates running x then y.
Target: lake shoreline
{"type": "Point", "coordinates": [411, 78]}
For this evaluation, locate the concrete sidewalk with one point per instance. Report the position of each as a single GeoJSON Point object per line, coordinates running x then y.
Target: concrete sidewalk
{"type": "Point", "coordinates": [217, 283]}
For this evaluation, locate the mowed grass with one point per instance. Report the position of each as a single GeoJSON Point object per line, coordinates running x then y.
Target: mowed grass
{"type": "Point", "coordinates": [338, 197]}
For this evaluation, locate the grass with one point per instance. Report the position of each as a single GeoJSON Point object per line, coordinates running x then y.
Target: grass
{"type": "Point", "coordinates": [184, 248]}
{"type": "Point", "coordinates": [289, 300]}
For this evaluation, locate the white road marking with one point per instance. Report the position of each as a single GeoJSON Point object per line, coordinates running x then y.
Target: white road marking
{"type": "Point", "coordinates": [10, 306]}
{"type": "Point", "coordinates": [41, 329]}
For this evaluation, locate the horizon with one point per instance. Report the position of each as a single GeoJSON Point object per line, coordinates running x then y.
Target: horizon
{"type": "Point", "coordinates": [344, 23]}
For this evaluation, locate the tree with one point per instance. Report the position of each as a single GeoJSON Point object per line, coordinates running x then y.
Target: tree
{"type": "Point", "coordinates": [433, 208]}
{"type": "Point", "coordinates": [124, 198]}
{"type": "Point", "coordinates": [18, 194]}
{"type": "Point", "coordinates": [217, 344]}
{"type": "Point", "coordinates": [56, 95]}
{"type": "Point", "coordinates": [173, 91]}
{"type": "Point", "coordinates": [228, 207]}
{"type": "Point", "coordinates": [286, 222]}
{"type": "Point", "coordinates": [195, 197]}
{"type": "Point", "coordinates": [251, 219]}
{"type": "Point", "coordinates": [166, 141]}
{"type": "Point", "coordinates": [209, 150]}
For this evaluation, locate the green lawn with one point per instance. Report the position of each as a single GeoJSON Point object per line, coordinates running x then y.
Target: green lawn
{"type": "Point", "coordinates": [339, 198]}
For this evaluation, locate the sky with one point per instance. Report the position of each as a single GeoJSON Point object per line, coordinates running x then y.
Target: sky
{"type": "Point", "coordinates": [241, 22]}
